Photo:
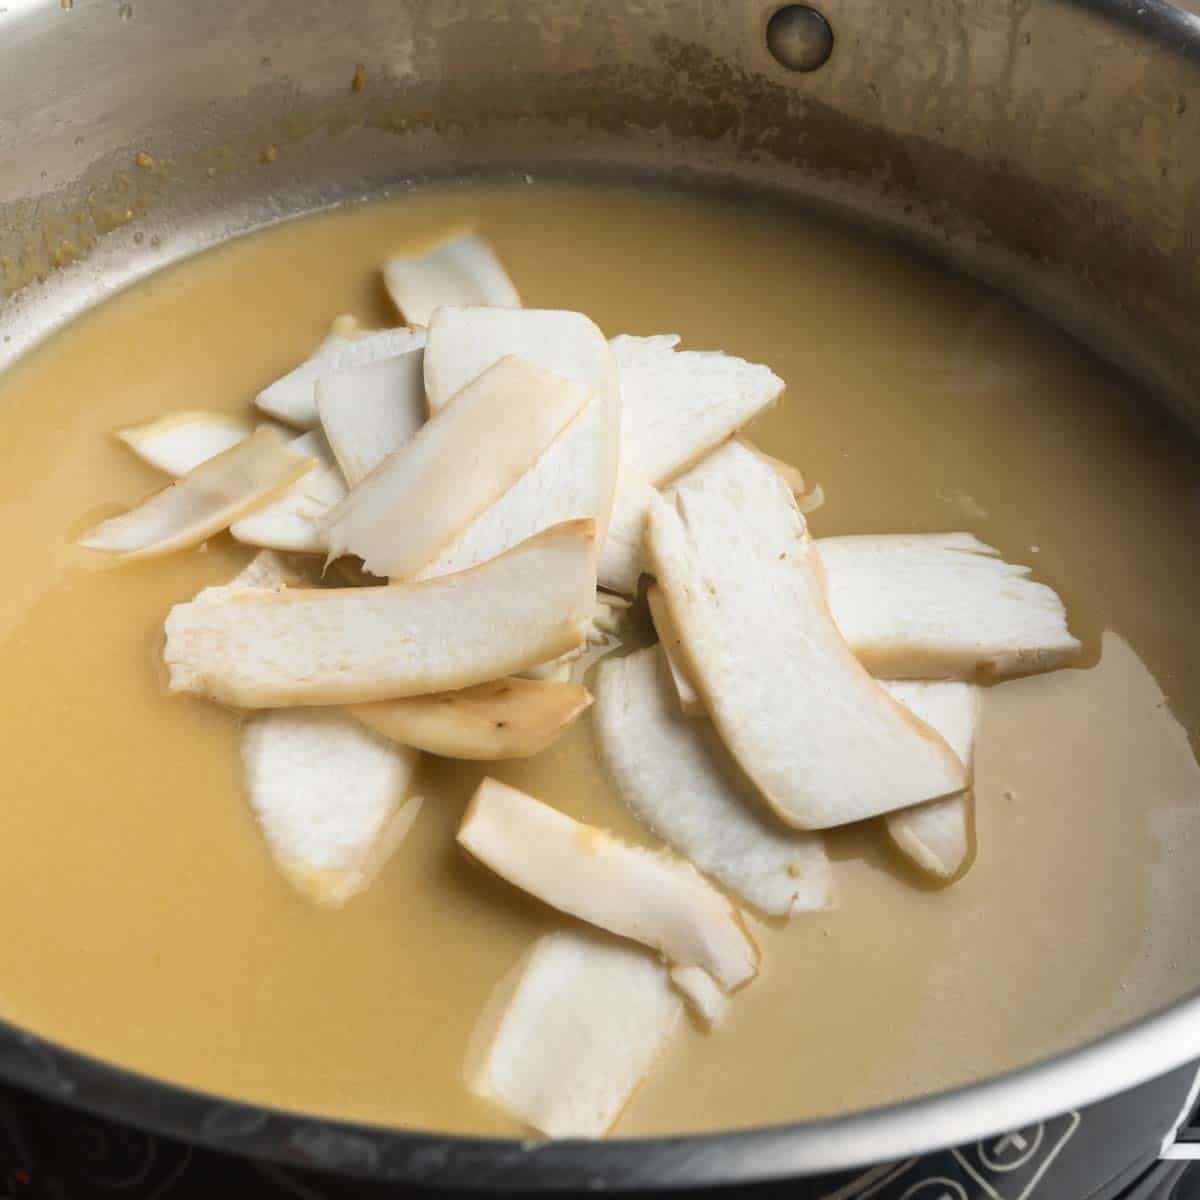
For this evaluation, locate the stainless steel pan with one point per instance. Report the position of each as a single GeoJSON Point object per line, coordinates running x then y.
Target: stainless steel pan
{"type": "Point", "coordinates": [1048, 146]}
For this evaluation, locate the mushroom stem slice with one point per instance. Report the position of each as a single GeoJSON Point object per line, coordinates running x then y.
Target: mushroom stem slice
{"type": "Point", "coordinates": [621, 557]}
{"type": "Point", "coordinates": [690, 703]}
{"type": "Point", "coordinates": [678, 404]}
{"type": "Point", "coordinates": [563, 485]}
{"type": "Point", "coordinates": [330, 797]}
{"type": "Point", "coordinates": [506, 718]}
{"type": "Point", "coordinates": [369, 412]}
{"type": "Point", "coordinates": [709, 1004]}
{"type": "Point", "coordinates": [463, 270]}
{"type": "Point", "coordinates": [181, 441]}
{"type": "Point", "coordinates": [942, 606]}
{"type": "Point", "coordinates": [647, 897]}
{"type": "Point", "coordinates": [292, 521]}
{"type": "Point", "coordinates": [571, 1032]}
{"type": "Point", "coordinates": [822, 741]}
{"type": "Point", "coordinates": [292, 398]}
{"type": "Point", "coordinates": [204, 501]}
{"type": "Point", "coordinates": [675, 779]}
{"type": "Point", "coordinates": [456, 465]}
{"type": "Point", "coordinates": [936, 835]}
{"type": "Point", "coordinates": [464, 342]}
{"type": "Point", "coordinates": [262, 649]}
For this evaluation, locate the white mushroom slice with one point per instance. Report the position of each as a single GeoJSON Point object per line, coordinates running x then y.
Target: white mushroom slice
{"type": "Point", "coordinates": [704, 998]}
{"type": "Point", "coordinates": [936, 835]}
{"type": "Point", "coordinates": [561, 486]}
{"type": "Point", "coordinates": [292, 521]}
{"type": "Point", "coordinates": [464, 342]}
{"type": "Point", "coordinates": [823, 742]}
{"type": "Point", "coordinates": [689, 700]}
{"type": "Point", "coordinates": [204, 501]}
{"type": "Point", "coordinates": [329, 796]}
{"type": "Point", "coordinates": [180, 442]}
{"type": "Point", "coordinates": [265, 570]}
{"type": "Point", "coordinates": [572, 1031]}
{"type": "Point", "coordinates": [293, 398]}
{"type": "Point", "coordinates": [621, 556]}
{"type": "Point", "coordinates": [458, 463]}
{"type": "Point", "coordinates": [942, 606]}
{"type": "Point", "coordinates": [369, 412]}
{"type": "Point", "coordinates": [259, 649]}
{"type": "Point", "coordinates": [670, 772]}
{"type": "Point", "coordinates": [459, 272]}
{"type": "Point", "coordinates": [506, 718]}
{"type": "Point", "coordinates": [605, 635]}
{"type": "Point", "coordinates": [586, 872]}
{"type": "Point", "coordinates": [790, 475]}
{"type": "Point", "coordinates": [678, 404]}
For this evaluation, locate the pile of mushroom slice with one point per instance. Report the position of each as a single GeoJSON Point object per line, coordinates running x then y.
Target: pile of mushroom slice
{"type": "Point", "coordinates": [453, 518]}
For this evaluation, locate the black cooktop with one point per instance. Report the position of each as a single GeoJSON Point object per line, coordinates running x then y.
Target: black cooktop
{"type": "Point", "coordinates": [1109, 1151]}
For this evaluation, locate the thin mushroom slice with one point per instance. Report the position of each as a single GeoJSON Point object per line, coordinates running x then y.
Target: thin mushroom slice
{"type": "Point", "coordinates": [262, 648]}
{"type": "Point", "coordinates": [204, 501]}
{"type": "Point", "coordinates": [460, 461]}
{"type": "Point", "coordinates": [563, 485]}
{"type": "Point", "coordinates": [688, 698]}
{"type": "Point", "coordinates": [621, 556]}
{"type": "Point", "coordinates": [464, 342]}
{"type": "Point", "coordinates": [181, 441]}
{"type": "Point", "coordinates": [330, 796]}
{"type": "Point", "coordinates": [292, 521]}
{"type": "Point", "coordinates": [807, 500]}
{"type": "Point", "coordinates": [506, 718]}
{"type": "Point", "coordinates": [571, 1032]}
{"type": "Point", "coordinates": [822, 741]}
{"type": "Point", "coordinates": [936, 836]}
{"type": "Point", "coordinates": [292, 398]}
{"type": "Point", "coordinates": [678, 404]}
{"type": "Point", "coordinates": [671, 774]}
{"type": "Point", "coordinates": [267, 569]}
{"type": "Point", "coordinates": [706, 1000]}
{"type": "Point", "coordinates": [369, 412]}
{"type": "Point", "coordinates": [942, 606]}
{"type": "Point", "coordinates": [461, 271]}
{"type": "Point", "coordinates": [635, 893]}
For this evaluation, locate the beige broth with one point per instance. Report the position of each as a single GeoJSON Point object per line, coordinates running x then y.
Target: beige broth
{"type": "Point", "coordinates": [141, 919]}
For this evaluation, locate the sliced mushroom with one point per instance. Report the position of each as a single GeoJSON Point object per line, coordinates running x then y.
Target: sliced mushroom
{"type": "Point", "coordinates": [369, 412]}
{"type": "Point", "coordinates": [571, 1032]}
{"type": "Point", "coordinates": [330, 796]}
{"type": "Point", "coordinates": [292, 398]}
{"type": "Point", "coordinates": [621, 557]}
{"type": "Point", "coordinates": [292, 521]}
{"type": "Point", "coordinates": [506, 718]}
{"type": "Point", "coordinates": [936, 836]}
{"type": "Point", "coordinates": [672, 775]}
{"type": "Point", "coordinates": [562, 486]}
{"type": "Point", "coordinates": [266, 569]}
{"type": "Point", "coordinates": [648, 897]}
{"type": "Point", "coordinates": [678, 404]}
{"type": "Point", "coordinates": [181, 441]}
{"type": "Point", "coordinates": [463, 270]}
{"type": "Point", "coordinates": [688, 698]}
{"type": "Point", "coordinates": [790, 475]}
{"type": "Point", "coordinates": [205, 500]}
{"type": "Point", "coordinates": [942, 606]}
{"type": "Point", "coordinates": [261, 648]}
{"type": "Point", "coordinates": [458, 463]}
{"type": "Point", "coordinates": [822, 741]}
{"type": "Point", "coordinates": [464, 342]}
{"type": "Point", "coordinates": [704, 997]}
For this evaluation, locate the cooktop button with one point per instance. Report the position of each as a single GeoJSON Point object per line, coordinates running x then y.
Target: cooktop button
{"type": "Point", "coordinates": [1012, 1150]}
